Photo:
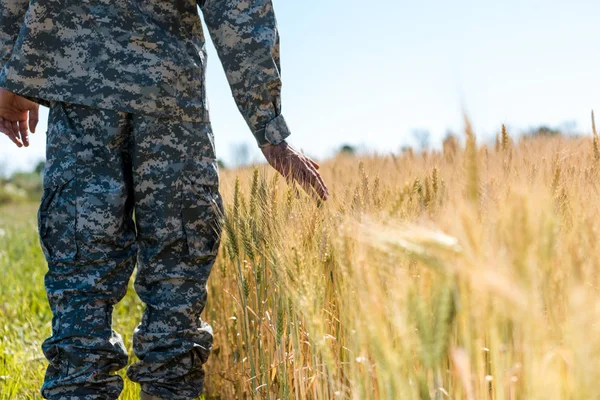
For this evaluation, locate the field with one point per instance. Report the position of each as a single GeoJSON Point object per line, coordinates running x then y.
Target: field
{"type": "Point", "coordinates": [469, 273]}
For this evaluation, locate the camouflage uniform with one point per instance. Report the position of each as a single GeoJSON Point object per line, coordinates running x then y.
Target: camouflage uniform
{"type": "Point", "coordinates": [129, 132]}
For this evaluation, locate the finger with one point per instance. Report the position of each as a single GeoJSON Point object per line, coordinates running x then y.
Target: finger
{"type": "Point", "coordinates": [305, 175]}
{"type": "Point", "coordinates": [3, 128]}
{"type": "Point", "coordinates": [314, 163]}
{"type": "Point", "coordinates": [15, 140]}
{"type": "Point", "coordinates": [323, 185]}
{"type": "Point", "coordinates": [6, 127]}
{"type": "Point", "coordinates": [309, 186]}
{"type": "Point", "coordinates": [14, 131]}
{"type": "Point", "coordinates": [308, 179]}
{"type": "Point", "coordinates": [15, 128]}
{"type": "Point", "coordinates": [34, 117]}
{"type": "Point", "coordinates": [319, 185]}
{"type": "Point", "coordinates": [24, 131]}
{"type": "Point", "coordinates": [315, 166]}
{"type": "Point", "coordinates": [9, 134]}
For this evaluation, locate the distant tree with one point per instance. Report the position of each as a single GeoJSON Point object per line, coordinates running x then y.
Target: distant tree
{"type": "Point", "coordinates": [407, 150]}
{"type": "Point", "coordinates": [3, 169]}
{"type": "Point", "coordinates": [221, 164]}
{"type": "Point", "coordinates": [347, 149]}
{"type": "Point", "coordinates": [422, 137]}
{"type": "Point", "coordinates": [544, 131]}
{"type": "Point", "coordinates": [39, 168]}
{"type": "Point", "coordinates": [568, 127]}
{"type": "Point", "coordinates": [241, 154]}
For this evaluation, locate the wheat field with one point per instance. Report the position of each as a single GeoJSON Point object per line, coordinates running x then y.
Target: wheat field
{"type": "Point", "coordinates": [468, 273]}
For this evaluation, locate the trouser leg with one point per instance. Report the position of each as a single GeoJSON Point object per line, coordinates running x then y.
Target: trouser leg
{"type": "Point", "coordinates": [88, 237]}
{"type": "Point", "coordinates": [178, 213]}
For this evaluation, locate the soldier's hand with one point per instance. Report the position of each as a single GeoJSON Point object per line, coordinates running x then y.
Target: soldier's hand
{"type": "Point", "coordinates": [295, 166]}
{"type": "Point", "coordinates": [18, 116]}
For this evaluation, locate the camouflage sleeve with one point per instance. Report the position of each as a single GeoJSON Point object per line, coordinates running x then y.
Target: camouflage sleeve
{"type": "Point", "coordinates": [246, 38]}
{"type": "Point", "coordinates": [12, 16]}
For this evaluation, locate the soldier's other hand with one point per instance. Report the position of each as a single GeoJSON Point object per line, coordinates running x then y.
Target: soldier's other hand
{"type": "Point", "coordinates": [295, 166]}
{"type": "Point", "coordinates": [18, 116]}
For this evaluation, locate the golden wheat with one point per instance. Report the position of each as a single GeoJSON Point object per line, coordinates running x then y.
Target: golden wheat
{"type": "Point", "coordinates": [463, 274]}
{"type": "Point", "coordinates": [405, 285]}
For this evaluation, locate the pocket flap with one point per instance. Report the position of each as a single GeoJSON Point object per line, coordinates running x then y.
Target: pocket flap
{"type": "Point", "coordinates": [203, 172]}
{"type": "Point", "coordinates": [58, 175]}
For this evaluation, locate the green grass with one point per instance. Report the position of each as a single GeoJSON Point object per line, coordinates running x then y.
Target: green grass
{"type": "Point", "coordinates": [25, 317]}
{"type": "Point", "coordinates": [24, 313]}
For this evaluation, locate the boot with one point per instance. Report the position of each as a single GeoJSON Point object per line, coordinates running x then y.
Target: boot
{"type": "Point", "coordinates": [146, 396]}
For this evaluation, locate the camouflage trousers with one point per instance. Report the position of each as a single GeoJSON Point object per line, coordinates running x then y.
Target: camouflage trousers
{"type": "Point", "coordinates": [122, 190]}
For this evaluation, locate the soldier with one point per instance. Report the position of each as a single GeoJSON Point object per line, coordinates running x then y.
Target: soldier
{"type": "Point", "coordinates": [129, 130]}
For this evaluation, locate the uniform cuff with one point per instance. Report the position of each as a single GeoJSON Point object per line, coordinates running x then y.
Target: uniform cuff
{"type": "Point", "coordinates": [274, 132]}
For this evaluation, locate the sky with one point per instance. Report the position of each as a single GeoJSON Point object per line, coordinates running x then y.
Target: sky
{"type": "Point", "coordinates": [370, 74]}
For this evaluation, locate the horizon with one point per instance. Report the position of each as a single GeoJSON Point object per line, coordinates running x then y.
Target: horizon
{"type": "Point", "coordinates": [370, 77]}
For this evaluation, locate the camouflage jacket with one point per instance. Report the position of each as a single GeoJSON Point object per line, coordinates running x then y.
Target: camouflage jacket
{"type": "Point", "coordinates": [144, 56]}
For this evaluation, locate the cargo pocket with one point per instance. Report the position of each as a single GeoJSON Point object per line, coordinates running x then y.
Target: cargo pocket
{"type": "Point", "coordinates": [57, 219]}
{"type": "Point", "coordinates": [201, 209]}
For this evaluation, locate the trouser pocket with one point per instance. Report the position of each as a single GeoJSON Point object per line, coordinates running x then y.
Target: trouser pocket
{"type": "Point", "coordinates": [57, 218]}
{"type": "Point", "coordinates": [201, 209]}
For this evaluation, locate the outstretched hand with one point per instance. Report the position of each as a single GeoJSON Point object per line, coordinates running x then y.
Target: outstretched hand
{"type": "Point", "coordinates": [295, 166]}
{"type": "Point", "coordinates": [18, 116]}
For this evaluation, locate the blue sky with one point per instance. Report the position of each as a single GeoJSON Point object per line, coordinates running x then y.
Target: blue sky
{"type": "Point", "coordinates": [370, 73]}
